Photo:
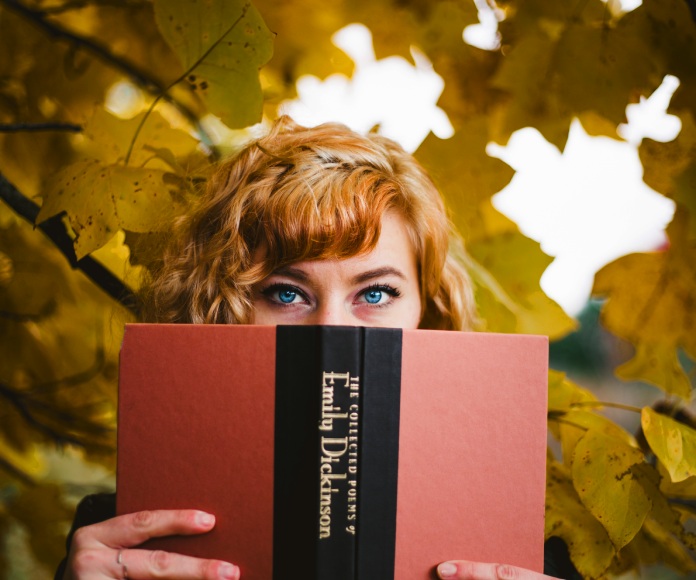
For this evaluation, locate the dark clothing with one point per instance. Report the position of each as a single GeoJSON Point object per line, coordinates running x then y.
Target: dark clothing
{"type": "Point", "coordinates": [100, 507]}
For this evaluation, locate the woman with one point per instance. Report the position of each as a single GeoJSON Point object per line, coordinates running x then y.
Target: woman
{"type": "Point", "coordinates": [305, 226]}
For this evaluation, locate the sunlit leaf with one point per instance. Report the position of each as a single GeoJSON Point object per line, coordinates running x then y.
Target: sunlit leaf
{"type": "Point", "coordinates": [603, 479]}
{"type": "Point", "coordinates": [589, 545]}
{"type": "Point", "coordinates": [223, 43]}
{"type": "Point", "coordinates": [573, 425]}
{"type": "Point", "coordinates": [109, 138]}
{"type": "Point", "coordinates": [674, 443]}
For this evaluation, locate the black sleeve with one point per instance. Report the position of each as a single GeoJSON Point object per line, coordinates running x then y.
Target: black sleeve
{"type": "Point", "coordinates": [557, 561]}
{"type": "Point", "coordinates": [91, 510]}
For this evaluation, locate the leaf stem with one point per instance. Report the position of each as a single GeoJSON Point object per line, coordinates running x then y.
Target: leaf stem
{"type": "Point", "coordinates": [560, 419]}
{"type": "Point", "coordinates": [607, 404]}
{"type": "Point", "coordinates": [57, 233]}
{"type": "Point", "coordinates": [186, 73]}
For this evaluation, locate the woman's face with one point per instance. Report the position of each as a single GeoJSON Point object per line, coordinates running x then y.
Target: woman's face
{"type": "Point", "coordinates": [376, 289]}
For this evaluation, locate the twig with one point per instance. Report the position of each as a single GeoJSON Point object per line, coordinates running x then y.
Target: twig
{"type": "Point", "coordinates": [57, 233]}
{"type": "Point", "coordinates": [139, 76]}
{"type": "Point", "coordinates": [606, 404]}
{"type": "Point", "coordinates": [38, 127]}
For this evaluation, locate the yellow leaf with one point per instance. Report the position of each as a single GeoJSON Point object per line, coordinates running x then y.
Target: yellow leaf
{"type": "Point", "coordinates": [673, 443]}
{"type": "Point", "coordinates": [573, 424]}
{"type": "Point", "coordinates": [685, 489]}
{"type": "Point", "coordinates": [28, 462]}
{"type": "Point", "coordinates": [563, 393]}
{"type": "Point", "coordinates": [606, 486]}
{"type": "Point", "coordinates": [655, 545]}
{"type": "Point", "coordinates": [465, 174]}
{"type": "Point", "coordinates": [664, 514]}
{"type": "Point", "coordinates": [109, 137]}
{"type": "Point", "coordinates": [223, 43]}
{"type": "Point", "coordinates": [101, 199]}
{"type": "Point", "coordinates": [650, 300]}
{"type": "Point", "coordinates": [670, 168]}
{"type": "Point", "coordinates": [567, 518]}
{"type": "Point", "coordinates": [510, 265]}
{"type": "Point", "coordinates": [658, 365]}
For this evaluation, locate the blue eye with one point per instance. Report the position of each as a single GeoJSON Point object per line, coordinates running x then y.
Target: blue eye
{"type": "Point", "coordinates": [287, 296]}
{"type": "Point", "coordinates": [284, 294]}
{"type": "Point", "coordinates": [373, 296]}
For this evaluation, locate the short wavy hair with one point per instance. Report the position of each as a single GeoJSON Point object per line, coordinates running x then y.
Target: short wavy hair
{"type": "Point", "coordinates": [305, 194]}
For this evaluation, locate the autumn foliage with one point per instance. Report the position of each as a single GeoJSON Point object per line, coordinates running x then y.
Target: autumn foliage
{"type": "Point", "coordinates": [89, 187]}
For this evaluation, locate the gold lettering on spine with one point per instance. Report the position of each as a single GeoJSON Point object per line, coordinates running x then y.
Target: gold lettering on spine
{"type": "Point", "coordinates": [353, 433]}
{"type": "Point", "coordinates": [334, 448]}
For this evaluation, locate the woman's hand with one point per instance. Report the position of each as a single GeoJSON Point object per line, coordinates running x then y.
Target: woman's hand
{"type": "Point", "coordinates": [465, 570]}
{"type": "Point", "coordinates": [105, 550]}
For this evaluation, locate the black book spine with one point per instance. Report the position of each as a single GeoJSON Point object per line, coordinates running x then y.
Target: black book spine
{"type": "Point", "coordinates": [318, 372]}
{"type": "Point", "coordinates": [379, 453]}
{"type": "Point", "coordinates": [338, 427]}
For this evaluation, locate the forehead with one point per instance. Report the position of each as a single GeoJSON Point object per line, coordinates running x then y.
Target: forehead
{"type": "Point", "coordinates": [393, 249]}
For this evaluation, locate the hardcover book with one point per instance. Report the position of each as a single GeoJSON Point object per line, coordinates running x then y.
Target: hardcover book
{"type": "Point", "coordinates": [334, 452]}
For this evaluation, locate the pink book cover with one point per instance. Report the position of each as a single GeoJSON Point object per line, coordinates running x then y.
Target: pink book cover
{"type": "Point", "coordinates": [196, 424]}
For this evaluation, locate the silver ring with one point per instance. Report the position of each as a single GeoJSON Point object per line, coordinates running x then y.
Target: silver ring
{"type": "Point", "coordinates": [120, 562]}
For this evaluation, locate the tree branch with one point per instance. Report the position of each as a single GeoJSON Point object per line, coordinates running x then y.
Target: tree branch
{"type": "Point", "coordinates": [140, 76]}
{"type": "Point", "coordinates": [57, 233]}
{"type": "Point", "coordinates": [37, 127]}
{"type": "Point", "coordinates": [692, 8]}
{"type": "Point", "coordinates": [27, 408]}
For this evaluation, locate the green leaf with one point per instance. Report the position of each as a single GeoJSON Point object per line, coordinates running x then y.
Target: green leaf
{"type": "Point", "coordinates": [606, 486]}
{"type": "Point", "coordinates": [223, 44]}
{"type": "Point", "coordinates": [100, 199]}
{"type": "Point", "coordinates": [673, 443]}
{"type": "Point", "coordinates": [567, 518]}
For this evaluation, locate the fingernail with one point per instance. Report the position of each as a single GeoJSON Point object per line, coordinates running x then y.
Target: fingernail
{"type": "Point", "coordinates": [446, 570]}
{"type": "Point", "coordinates": [228, 572]}
{"type": "Point", "coordinates": [204, 519]}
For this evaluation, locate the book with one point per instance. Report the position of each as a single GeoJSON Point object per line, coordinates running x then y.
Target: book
{"type": "Point", "coordinates": [337, 453]}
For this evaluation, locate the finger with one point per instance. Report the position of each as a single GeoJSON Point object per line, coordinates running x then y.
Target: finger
{"type": "Point", "coordinates": [148, 564]}
{"type": "Point", "coordinates": [466, 570]}
{"type": "Point", "coordinates": [133, 529]}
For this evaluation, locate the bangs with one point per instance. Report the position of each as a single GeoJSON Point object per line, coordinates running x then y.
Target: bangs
{"type": "Point", "coordinates": [324, 216]}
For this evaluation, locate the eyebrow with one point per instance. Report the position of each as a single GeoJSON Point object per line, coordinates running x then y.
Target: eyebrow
{"type": "Point", "coordinates": [378, 273]}
{"type": "Point", "coordinates": [301, 275]}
